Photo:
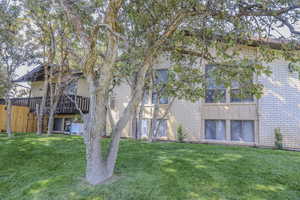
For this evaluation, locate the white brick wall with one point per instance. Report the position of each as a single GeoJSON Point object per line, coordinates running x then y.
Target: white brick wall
{"type": "Point", "coordinates": [280, 106]}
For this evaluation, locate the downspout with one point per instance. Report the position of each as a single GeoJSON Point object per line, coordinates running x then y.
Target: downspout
{"type": "Point", "coordinates": [257, 112]}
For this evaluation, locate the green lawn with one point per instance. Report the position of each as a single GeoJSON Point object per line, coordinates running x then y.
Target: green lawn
{"type": "Point", "coordinates": [53, 167]}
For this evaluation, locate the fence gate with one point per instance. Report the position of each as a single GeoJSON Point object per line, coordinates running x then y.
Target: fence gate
{"type": "Point", "coordinates": [22, 120]}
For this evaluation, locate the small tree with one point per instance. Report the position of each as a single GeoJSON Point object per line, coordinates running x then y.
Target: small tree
{"type": "Point", "coordinates": [278, 138]}
{"type": "Point", "coordinates": [180, 134]}
{"type": "Point", "coordinates": [15, 51]}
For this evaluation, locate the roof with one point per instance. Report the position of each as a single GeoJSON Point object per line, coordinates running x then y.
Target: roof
{"type": "Point", "coordinates": [273, 43]}
{"type": "Point", "coordinates": [37, 74]}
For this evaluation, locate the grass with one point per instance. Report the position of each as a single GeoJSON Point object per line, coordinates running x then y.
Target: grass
{"type": "Point", "coordinates": [44, 168]}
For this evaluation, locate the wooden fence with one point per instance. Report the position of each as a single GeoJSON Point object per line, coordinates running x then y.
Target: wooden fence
{"type": "Point", "coordinates": [22, 119]}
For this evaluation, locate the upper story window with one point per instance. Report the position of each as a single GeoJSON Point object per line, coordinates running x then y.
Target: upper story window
{"type": "Point", "coordinates": [161, 77]}
{"type": "Point", "coordinates": [214, 93]}
{"type": "Point", "coordinates": [217, 93]}
{"type": "Point", "coordinates": [236, 94]}
{"type": "Point", "coordinates": [71, 88]}
{"type": "Point", "coordinates": [146, 97]}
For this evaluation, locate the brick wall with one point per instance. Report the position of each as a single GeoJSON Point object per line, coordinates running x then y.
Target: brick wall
{"type": "Point", "coordinates": [280, 106]}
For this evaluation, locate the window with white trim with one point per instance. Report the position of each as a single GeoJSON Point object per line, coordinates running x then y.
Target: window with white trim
{"type": "Point", "coordinates": [236, 94]}
{"type": "Point", "coordinates": [214, 93]}
{"type": "Point", "coordinates": [215, 129]}
{"type": "Point", "coordinates": [161, 77]}
{"type": "Point", "coordinates": [242, 130]}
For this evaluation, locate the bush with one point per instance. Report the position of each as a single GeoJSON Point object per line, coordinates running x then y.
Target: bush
{"type": "Point", "coordinates": [180, 134]}
{"type": "Point", "coordinates": [278, 138]}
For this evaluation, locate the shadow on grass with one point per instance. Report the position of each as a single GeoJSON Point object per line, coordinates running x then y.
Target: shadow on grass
{"type": "Point", "coordinates": [34, 167]}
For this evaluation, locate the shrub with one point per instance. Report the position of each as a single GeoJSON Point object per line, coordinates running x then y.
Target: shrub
{"type": "Point", "coordinates": [180, 134]}
{"type": "Point", "coordinates": [278, 138]}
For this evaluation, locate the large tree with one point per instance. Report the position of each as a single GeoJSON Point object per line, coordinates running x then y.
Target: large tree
{"type": "Point", "coordinates": [105, 33]}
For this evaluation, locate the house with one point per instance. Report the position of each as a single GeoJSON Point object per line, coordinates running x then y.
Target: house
{"type": "Point", "coordinates": [229, 120]}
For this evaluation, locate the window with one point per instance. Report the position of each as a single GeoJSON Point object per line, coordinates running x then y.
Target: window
{"type": "Point", "coordinates": [162, 99]}
{"type": "Point", "coordinates": [71, 89]}
{"type": "Point", "coordinates": [161, 77]}
{"type": "Point", "coordinates": [146, 97]}
{"type": "Point", "coordinates": [214, 93]}
{"type": "Point", "coordinates": [58, 124]}
{"type": "Point", "coordinates": [162, 129]}
{"type": "Point", "coordinates": [237, 96]}
{"type": "Point", "coordinates": [242, 130]}
{"type": "Point", "coordinates": [215, 129]}
{"type": "Point", "coordinates": [143, 132]}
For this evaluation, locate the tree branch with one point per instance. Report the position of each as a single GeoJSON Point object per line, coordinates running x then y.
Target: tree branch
{"type": "Point", "coordinates": [289, 25]}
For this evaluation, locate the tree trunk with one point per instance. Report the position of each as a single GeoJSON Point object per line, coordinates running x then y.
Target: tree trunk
{"type": "Point", "coordinates": [140, 116]}
{"type": "Point", "coordinates": [39, 119]}
{"type": "Point", "coordinates": [51, 117]}
{"type": "Point", "coordinates": [96, 171]}
{"type": "Point", "coordinates": [134, 121]}
{"type": "Point", "coordinates": [111, 119]}
{"type": "Point", "coordinates": [127, 113]}
{"type": "Point", "coordinates": [153, 121]}
{"type": "Point", "coordinates": [8, 117]}
{"type": "Point", "coordinates": [40, 112]}
{"type": "Point", "coordinates": [134, 125]}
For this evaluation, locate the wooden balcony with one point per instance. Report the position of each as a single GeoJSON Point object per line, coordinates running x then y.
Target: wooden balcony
{"type": "Point", "coordinates": [65, 105]}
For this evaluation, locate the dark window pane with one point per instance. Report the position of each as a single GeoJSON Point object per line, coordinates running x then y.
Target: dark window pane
{"type": "Point", "coordinates": [210, 129]}
{"type": "Point", "coordinates": [210, 79]}
{"type": "Point", "coordinates": [154, 98]}
{"type": "Point", "coordinates": [215, 96]}
{"type": "Point", "coordinates": [143, 127]}
{"type": "Point", "coordinates": [236, 129]}
{"type": "Point", "coordinates": [161, 76]}
{"type": "Point", "coordinates": [215, 129]}
{"type": "Point", "coordinates": [71, 89]}
{"type": "Point", "coordinates": [248, 131]}
{"type": "Point", "coordinates": [236, 96]}
{"type": "Point", "coordinates": [242, 130]}
{"type": "Point", "coordinates": [162, 129]}
{"type": "Point", "coordinates": [214, 93]}
{"type": "Point", "coordinates": [220, 129]}
{"type": "Point", "coordinates": [146, 97]}
{"type": "Point", "coordinates": [162, 99]}
{"type": "Point", "coordinates": [58, 124]}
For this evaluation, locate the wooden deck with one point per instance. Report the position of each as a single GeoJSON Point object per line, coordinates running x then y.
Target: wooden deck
{"type": "Point", "coordinates": [65, 105]}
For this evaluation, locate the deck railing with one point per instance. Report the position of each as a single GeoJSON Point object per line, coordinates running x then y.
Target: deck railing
{"type": "Point", "coordinates": [65, 105]}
